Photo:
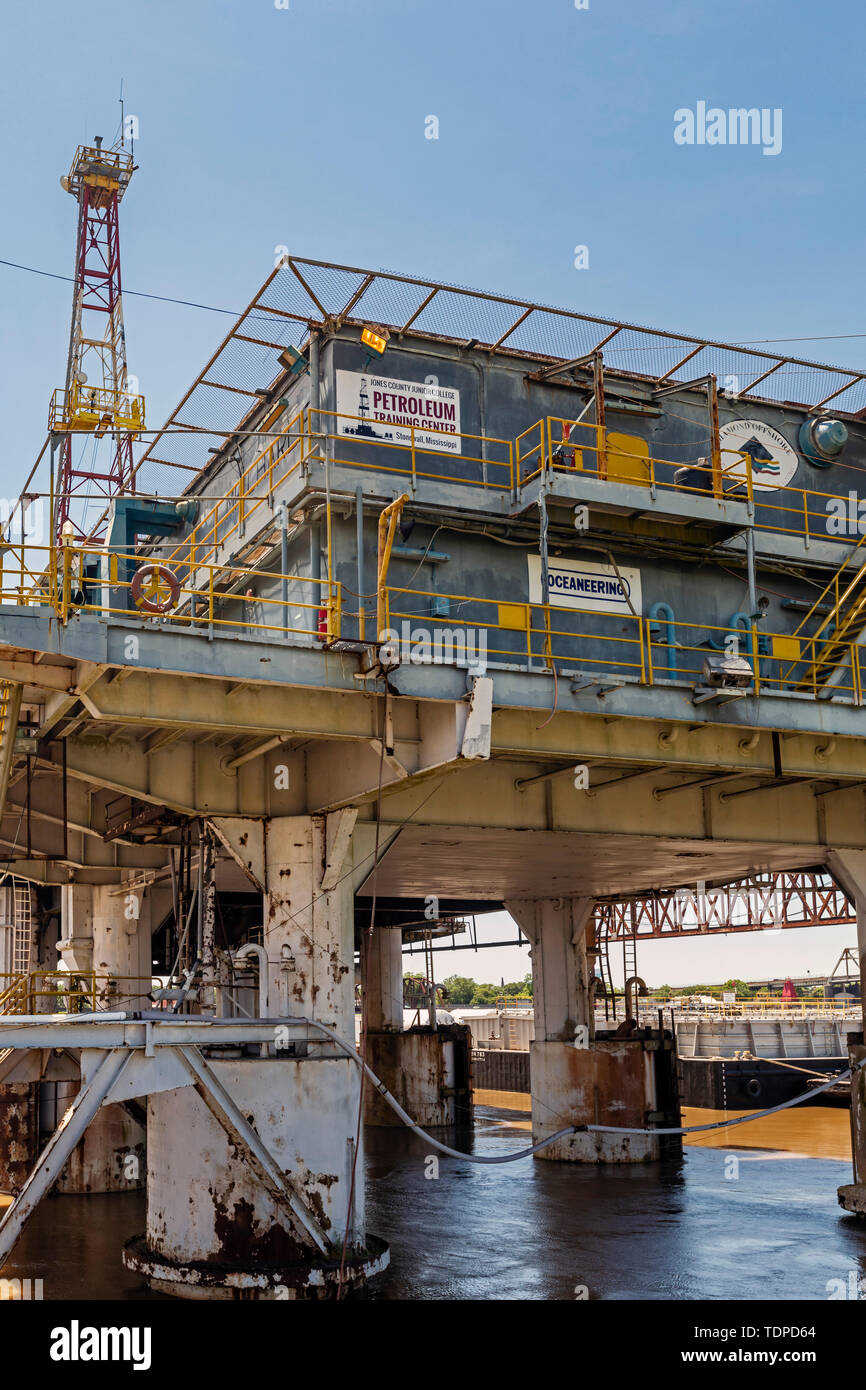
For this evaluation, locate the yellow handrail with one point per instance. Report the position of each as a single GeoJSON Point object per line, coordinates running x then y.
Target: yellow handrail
{"type": "Point", "coordinates": [73, 988]}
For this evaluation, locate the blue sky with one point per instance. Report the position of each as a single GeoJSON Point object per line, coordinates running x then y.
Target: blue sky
{"type": "Point", "coordinates": [305, 126]}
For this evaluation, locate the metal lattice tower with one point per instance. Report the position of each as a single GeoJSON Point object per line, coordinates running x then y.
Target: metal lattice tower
{"type": "Point", "coordinates": [96, 399]}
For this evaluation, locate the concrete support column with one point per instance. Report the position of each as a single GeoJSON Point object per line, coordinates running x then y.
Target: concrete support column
{"type": "Point", "coordinates": [309, 925]}
{"type": "Point", "coordinates": [561, 977]}
{"type": "Point", "coordinates": [75, 944]}
{"type": "Point", "coordinates": [848, 867]}
{"type": "Point", "coordinates": [382, 980]}
{"type": "Point", "coordinates": [426, 1069]}
{"type": "Point", "coordinates": [239, 1238]}
{"type": "Point", "coordinates": [575, 1077]}
{"type": "Point", "coordinates": [105, 930]}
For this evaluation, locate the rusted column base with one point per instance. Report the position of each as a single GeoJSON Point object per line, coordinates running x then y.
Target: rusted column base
{"type": "Point", "coordinates": [624, 1083]}
{"type": "Point", "coordinates": [853, 1196]}
{"type": "Point", "coordinates": [314, 1280]}
{"type": "Point", "coordinates": [427, 1072]}
{"type": "Point", "coordinates": [19, 1134]}
{"type": "Point", "coordinates": [215, 1229]}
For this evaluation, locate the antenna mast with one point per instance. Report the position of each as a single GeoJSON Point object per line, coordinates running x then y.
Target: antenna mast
{"type": "Point", "coordinates": [96, 399]}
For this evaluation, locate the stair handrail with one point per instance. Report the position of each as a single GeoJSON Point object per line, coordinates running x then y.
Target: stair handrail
{"type": "Point", "coordinates": [834, 580]}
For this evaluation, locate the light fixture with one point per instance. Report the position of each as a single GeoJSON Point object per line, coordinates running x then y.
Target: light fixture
{"type": "Point", "coordinates": [375, 341]}
{"type": "Point", "coordinates": [724, 678]}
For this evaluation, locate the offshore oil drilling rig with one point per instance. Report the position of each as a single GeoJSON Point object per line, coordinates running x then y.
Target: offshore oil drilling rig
{"type": "Point", "coordinates": [423, 602]}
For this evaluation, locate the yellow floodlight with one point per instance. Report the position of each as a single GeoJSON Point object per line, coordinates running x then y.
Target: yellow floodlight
{"type": "Point", "coordinates": [374, 341]}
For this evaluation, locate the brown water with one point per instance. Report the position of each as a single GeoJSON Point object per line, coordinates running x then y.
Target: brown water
{"type": "Point", "coordinates": [684, 1228]}
{"type": "Point", "coordinates": [812, 1131]}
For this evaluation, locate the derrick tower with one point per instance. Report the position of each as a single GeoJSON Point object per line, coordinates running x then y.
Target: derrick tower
{"type": "Point", "coordinates": [96, 399]}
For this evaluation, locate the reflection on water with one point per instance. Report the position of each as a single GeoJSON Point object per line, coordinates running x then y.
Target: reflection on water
{"type": "Point", "coordinates": [503, 1100]}
{"type": "Point", "coordinates": [813, 1131]}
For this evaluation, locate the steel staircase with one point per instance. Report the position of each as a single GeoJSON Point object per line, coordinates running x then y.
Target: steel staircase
{"type": "Point", "coordinates": [826, 651]}
{"type": "Point", "coordinates": [10, 704]}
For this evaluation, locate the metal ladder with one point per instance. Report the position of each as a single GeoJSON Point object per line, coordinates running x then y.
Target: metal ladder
{"type": "Point", "coordinates": [629, 955]}
{"type": "Point", "coordinates": [602, 946]}
{"type": "Point", "coordinates": [22, 935]}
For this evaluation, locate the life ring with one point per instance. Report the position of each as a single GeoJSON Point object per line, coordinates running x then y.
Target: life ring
{"type": "Point", "coordinates": [155, 589]}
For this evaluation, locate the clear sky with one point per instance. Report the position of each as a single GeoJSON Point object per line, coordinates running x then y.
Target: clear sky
{"type": "Point", "coordinates": [306, 126]}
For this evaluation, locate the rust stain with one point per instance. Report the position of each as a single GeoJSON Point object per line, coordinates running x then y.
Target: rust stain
{"type": "Point", "coordinates": [244, 1239]}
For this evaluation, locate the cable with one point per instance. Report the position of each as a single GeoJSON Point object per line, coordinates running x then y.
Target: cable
{"type": "Point", "coordinates": [363, 1059]}
{"type": "Point", "coordinates": [211, 308]}
{"type": "Point", "coordinates": [570, 1129]}
{"type": "Point", "coordinates": [410, 1123]}
{"type": "Point", "coordinates": [743, 1119]}
{"type": "Point", "coordinates": [139, 294]}
{"type": "Point", "coordinates": [776, 1062]}
{"type": "Point", "coordinates": [555, 699]}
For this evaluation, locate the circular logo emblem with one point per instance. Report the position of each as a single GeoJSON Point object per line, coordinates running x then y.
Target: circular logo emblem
{"type": "Point", "coordinates": [774, 462]}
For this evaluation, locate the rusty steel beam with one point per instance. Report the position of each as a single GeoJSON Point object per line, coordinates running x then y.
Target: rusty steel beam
{"type": "Point", "coordinates": [801, 898]}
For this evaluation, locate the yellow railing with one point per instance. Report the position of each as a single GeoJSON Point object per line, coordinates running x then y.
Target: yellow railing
{"type": "Point", "coordinates": [95, 409]}
{"type": "Point", "coordinates": [558, 445]}
{"type": "Point", "coordinates": [530, 635]}
{"type": "Point", "coordinates": [412, 457]}
{"type": "Point", "coordinates": [827, 1008]}
{"type": "Point", "coordinates": [208, 596]}
{"type": "Point", "coordinates": [71, 991]}
{"type": "Point", "coordinates": [301, 442]}
{"type": "Point", "coordinates": [256, 485]}
{"type": "Point", "coordinates": [845, 620]}
{"type": "Point", "coordinates": [13, 994]}
{"type": "Point", "coordinates": [555, 444]}
{"type": "Point", "coordinates": [535, 636]}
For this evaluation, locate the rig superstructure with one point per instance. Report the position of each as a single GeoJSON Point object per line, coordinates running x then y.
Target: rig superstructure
{"type": "Point", "coordinates": [436, 602]}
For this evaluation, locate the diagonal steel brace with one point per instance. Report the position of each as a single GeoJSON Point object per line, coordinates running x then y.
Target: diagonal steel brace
{"type": "Point", "coordinates": [57, 1151]}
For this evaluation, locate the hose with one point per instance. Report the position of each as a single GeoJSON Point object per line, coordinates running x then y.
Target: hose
{"type": "Point", "coordinates": [743, 1119]}
{"type": "Point", "coordinates": [410, 1123]}
{"type": "Point", "coordinates": [570, 1129]}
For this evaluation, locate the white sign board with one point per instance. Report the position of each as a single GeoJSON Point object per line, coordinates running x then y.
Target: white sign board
{"type": "Point", "coordinates": [383, 409]}
{"type": "Point", "coordinates": [729, 996]}
{"type": "Point", "coordinates": [774, 462]}
{"type": "Point", "coordinates": [584, 584]}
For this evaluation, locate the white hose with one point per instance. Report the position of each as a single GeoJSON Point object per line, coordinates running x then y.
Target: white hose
{"type": "Point", "coordinates": [571, 1129]}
